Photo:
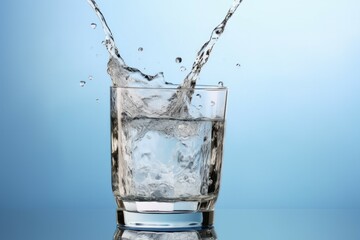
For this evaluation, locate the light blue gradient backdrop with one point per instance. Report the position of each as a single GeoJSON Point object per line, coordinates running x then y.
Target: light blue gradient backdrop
{"type": "Point", "coordinates": [293, 119]}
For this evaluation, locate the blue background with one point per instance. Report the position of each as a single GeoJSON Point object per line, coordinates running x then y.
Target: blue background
{"type": "Point", "coordinates": [293, 116]}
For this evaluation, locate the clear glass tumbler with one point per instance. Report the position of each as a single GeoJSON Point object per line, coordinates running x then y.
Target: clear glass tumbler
{"type": "Point", "coordinates": [167, 149]}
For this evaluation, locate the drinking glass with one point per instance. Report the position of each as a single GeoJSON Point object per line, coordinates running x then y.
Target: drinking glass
{"type": "Point", "coordinates": [167, 150]}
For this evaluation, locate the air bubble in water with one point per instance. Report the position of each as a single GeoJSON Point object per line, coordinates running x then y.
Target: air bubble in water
{"type": "Point", "coordinates": [238, 65]}
{"type": "Point", "coordinates": [82, 83]}
{"type": "Point", "coordinates": [212, 103]}
{"type": "Point", "coordinates": [140, 49]}
{"type": "Point", "coordinates": [91, 77]}
{"type": "Point", "coordinates": [198, 95]}
{"type": "Point", "coordinates": [103, 42]}
{"type": "Point", "coordinates": [178, 60]}
{"type": "Point", "coordinates": [183, 68]}
{"type": "Point", "coordinates": [93, 25]}
{"type": "Point", "coordinates": [97, 100]}
{"type": "Point", "coordinates": [221, 84]}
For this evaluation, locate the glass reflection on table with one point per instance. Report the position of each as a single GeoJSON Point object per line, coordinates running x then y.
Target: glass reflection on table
{"type": "Point", "coordinates": [131, 234]}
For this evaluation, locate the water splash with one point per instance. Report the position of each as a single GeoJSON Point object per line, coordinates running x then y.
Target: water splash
{"type": "Point", "coordinates": [120, 73]}
{"type": "Point", "coordinates": [126, 76]}
{"type": "Point", "coordinates": [183, 98]}
{"type": "Point", "coordinates": [123, 75]}
{"type": "Point", "coordinates": [205, 51]}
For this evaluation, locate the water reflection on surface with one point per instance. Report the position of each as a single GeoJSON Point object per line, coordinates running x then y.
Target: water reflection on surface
{"type": "Point", "coordinates": [128, 234]}
{"type": "Point", "coordinates": [248, 224]}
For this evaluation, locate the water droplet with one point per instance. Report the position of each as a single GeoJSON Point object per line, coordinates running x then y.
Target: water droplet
{"type": "Point", "coordinates": [93, 25]}
{"type": "Point", "coordinates": [82, 83]}
{"type": "Point", "coordinates": [91, 77]}
{"type": "Point", "coordinates": [198, 95]}
{"type": "Point", "coordinates": [221, 84]}
{"type": "Point", "coordinates": [183, 68]}
{"type": "Point", "coordinates": [212, 103]}
{"type": "Point", "coordinates": [140, 49]}
{"type": "Point", "coordinates": [178, 60]}
{"type": "Point", "coordinates": [238, 65]}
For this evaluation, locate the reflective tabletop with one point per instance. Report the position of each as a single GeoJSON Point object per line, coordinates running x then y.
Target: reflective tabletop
{"type": "Point", "coordinates": [229, 224]}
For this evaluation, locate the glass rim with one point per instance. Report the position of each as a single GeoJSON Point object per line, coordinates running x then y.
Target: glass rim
{"type": "Point", "coordinates": [176, 87]}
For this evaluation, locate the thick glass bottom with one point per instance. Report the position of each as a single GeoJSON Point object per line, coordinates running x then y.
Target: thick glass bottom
{"type": "Point", "coordinates": [165, 220]}
{"type": "Point", "coordinates": [168, 206]}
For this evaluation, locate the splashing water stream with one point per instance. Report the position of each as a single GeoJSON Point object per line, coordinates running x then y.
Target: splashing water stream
{"type": "Point", "coordinates": [123, 75]}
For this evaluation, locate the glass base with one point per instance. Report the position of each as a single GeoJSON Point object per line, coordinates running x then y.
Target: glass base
{"type": "Point", "coordinates": [166, 221]}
